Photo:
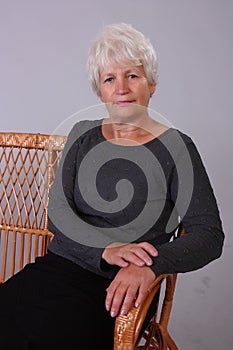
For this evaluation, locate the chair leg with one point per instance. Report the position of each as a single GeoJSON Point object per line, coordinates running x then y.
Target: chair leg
{"type": "Point", "coordinates": [154, 339]}
{"type": "Point", "coordinates": [170, 343]}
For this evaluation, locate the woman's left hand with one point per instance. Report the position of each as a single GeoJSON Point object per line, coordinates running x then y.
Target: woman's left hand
{"type": "Point", "coordinates": [122, 254]}
{"type": "Point", "coordinates": [129, 286]}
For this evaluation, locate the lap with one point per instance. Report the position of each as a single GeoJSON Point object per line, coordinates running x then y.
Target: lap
{"type": "Point", "coordinates": [53, 302]}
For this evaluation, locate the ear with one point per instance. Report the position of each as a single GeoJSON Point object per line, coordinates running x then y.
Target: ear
{"type": "Point", "coordinates": [152, 89]}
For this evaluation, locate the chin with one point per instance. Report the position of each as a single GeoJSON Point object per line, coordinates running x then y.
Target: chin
{"type": "Point", "coordinates": [129, 113]}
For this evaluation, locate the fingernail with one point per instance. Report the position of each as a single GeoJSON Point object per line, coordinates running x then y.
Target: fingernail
{"type": "Point", "coordinates": [112, 313]}
{"type": "Point", "coordinates": [136, 304]}
{"type": "Point", "coordinates": [107, 307]}
{"type": "Point", "coordinates": [123, 313]}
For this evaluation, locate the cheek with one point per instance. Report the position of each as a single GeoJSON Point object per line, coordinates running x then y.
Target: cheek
{"type": "Point", "coordinates": [145, 91]}
{"type": "Point", "coordinates": [103, 94]}
{"type": "Point", "coordinates": [145, 87]}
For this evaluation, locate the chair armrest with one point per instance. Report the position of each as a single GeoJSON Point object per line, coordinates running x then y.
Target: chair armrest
{"type": "Point", "coordinates": [127, 328]}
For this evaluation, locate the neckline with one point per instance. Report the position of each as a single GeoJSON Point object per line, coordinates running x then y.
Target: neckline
{"type": "Point", "coordinates": [132, 146]}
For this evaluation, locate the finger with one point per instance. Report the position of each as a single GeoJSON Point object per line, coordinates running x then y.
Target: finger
{"type": "Point", "coordinates": [110, 295]}
{"type": "Point", "coordinates": [117, 300]}
{"type": "Point", "coordinates": [128, 301]}
{"type": "Point", "coordinates": [142, 293]}
{"type": "Point", "coordinates": [149, 248]}
{"type": "Point", "coordinates": [120, 262]}
{"type": "Point", "coordinates": [114, 259]}
{"type": "Point", "coordinates": [143, 256]}
{"type": "Point", "coordinates": [133, 256]}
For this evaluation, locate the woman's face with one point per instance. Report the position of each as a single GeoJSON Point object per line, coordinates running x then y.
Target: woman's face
{"type": "Point", "coordinates": [125, 85]}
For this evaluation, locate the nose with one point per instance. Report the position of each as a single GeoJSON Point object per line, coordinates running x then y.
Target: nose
{"type": "Point", "coordinates": [122, 86]}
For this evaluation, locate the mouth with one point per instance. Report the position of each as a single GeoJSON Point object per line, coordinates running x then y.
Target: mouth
{"type": "Point", "coordinates": [123, 103]}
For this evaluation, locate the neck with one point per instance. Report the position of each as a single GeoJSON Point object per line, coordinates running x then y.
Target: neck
{"type": "Point", "coordinates": [136, 127]}
{"type": "Point", "coordinates": [144, 130]}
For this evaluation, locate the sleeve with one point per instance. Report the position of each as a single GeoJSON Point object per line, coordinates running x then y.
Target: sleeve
{"type": "Point", "coordinates": [204, 237]}
{"type": "Point", "coordinates": [69, 230]}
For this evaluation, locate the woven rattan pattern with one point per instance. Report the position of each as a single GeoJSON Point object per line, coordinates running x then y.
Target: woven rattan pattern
{"type": "Point", "coordinates": [28, 163]}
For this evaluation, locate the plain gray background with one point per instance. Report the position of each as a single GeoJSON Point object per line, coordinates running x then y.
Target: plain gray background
{"type": "Point", "coordinates": [43, 50]}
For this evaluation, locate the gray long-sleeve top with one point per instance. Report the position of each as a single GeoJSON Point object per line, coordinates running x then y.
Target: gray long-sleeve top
{"type": "Point", "coordinates": [105, 192]}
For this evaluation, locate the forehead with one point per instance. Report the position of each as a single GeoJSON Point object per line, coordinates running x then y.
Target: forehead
{"type": "Point", "coordinates": [115, 68]}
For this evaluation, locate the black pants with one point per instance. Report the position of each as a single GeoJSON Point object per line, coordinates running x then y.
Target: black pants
{"type": "Point", "coordinates": [54, 304]}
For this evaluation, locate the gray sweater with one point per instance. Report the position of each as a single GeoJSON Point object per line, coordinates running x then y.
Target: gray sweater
{"type": "Point", "coordinates": [105, 192]}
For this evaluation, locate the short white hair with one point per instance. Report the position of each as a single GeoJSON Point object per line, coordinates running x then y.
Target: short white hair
{"type": "Point", "coordinates": [121, 43]}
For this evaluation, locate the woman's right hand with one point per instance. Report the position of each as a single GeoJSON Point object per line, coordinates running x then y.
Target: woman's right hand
{"type": "Point", "coordinates": [121, 254]}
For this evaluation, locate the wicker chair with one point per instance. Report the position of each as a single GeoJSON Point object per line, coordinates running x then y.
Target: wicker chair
{"type": "Point", "coordinates": [28, 164]}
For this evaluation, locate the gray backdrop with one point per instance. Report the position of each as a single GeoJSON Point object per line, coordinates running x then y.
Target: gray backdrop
{"type": "Point", "coordinates": [43, 50]}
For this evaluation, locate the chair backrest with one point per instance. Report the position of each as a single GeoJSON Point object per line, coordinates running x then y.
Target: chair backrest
{"type": "Point", "coordinates": [27, 167]}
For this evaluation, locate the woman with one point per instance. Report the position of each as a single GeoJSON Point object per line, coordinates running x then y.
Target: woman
{"type": "Point", "coordinates": [123, 185]}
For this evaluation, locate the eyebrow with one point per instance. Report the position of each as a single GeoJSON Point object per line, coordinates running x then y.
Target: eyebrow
{"type": "Point", "coordinates": [125, 72]}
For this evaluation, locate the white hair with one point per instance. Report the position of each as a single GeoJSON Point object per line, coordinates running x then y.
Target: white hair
{"type": "Point", "coordinates": [121, 43]}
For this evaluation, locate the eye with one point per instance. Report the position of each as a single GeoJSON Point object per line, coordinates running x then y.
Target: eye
{"type": "Point", "coordinates": [108, 80]}
{"type": "Point", "coordinates": [132, 76]}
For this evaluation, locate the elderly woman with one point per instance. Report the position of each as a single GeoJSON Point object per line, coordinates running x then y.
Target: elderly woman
{"type": "Point", "coordinates": [124, 184]}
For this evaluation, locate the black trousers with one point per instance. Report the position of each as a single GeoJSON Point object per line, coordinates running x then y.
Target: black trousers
{"type": "Point", "coordinates": [55, 304]}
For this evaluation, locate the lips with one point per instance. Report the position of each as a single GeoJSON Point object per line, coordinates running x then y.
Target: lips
{"type": "Point", "coordinates": [123, 103]}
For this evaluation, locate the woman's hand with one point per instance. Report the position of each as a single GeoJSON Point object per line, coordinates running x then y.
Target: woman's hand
{"type": "Point", "coordinates": [129, 286]}
{"type": "Point", "coordinates": [122, 254]}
